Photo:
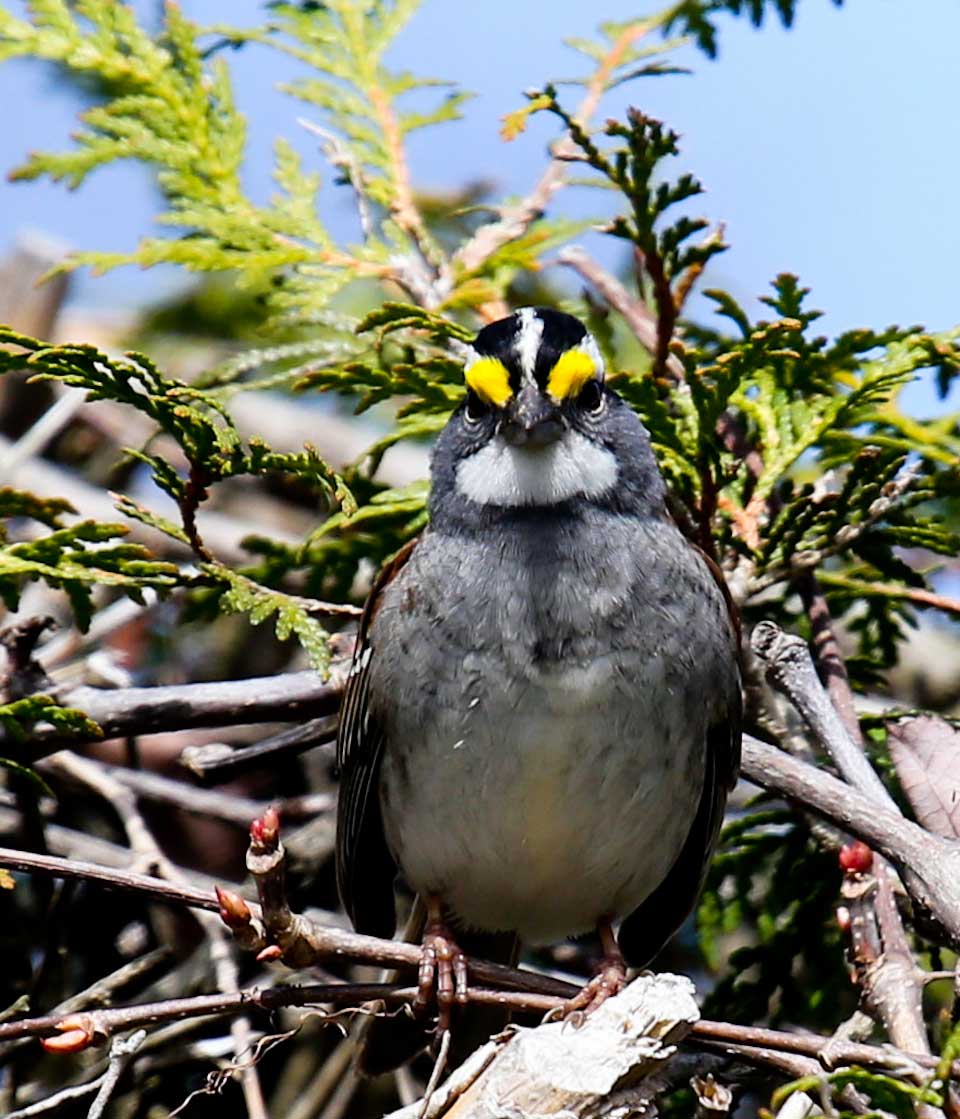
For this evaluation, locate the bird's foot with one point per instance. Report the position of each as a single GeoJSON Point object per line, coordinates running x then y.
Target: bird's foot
{"type": "Point", "coordinates": [609, 980]}
{"type": "Point", "coordinates": [443, 969]}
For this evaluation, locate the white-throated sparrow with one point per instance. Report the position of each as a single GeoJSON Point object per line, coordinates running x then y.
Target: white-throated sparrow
{"type": "Point", "coordinates": [541, 724]}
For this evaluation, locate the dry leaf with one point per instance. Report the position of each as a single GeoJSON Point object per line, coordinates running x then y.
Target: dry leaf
{"type": "Point", "coordinates": [926, 753]}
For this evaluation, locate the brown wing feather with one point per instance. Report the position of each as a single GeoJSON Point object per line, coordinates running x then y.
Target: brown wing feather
{"type": "Point", "coordinates": [365, 867]}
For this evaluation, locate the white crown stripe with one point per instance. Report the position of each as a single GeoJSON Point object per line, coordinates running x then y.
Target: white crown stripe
{"type": "Point", "coordinates": [527, 344]}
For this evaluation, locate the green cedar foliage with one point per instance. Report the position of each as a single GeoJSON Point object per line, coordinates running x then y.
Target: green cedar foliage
{"type": "Point", "coordinates": [787, 453]}
{"type": "Point", "coordinates": [698, 18]}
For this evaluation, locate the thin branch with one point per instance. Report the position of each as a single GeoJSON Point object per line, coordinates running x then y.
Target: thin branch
{"type": "Point", "coordinates": [891, 982]}
{"type": "Point", "coordinates": [57, 1101]}
{"type": "Point", "coordinates": [828, 655]}
{"type": "Point", "coordinates": [217, 763]}
{"type": "Point", "coordinates": [49, 424]}
{"type": "Point", "coordinates": [122, 1052]}
{"type": "Point", "coordinates": [150, 855]}
{"type": "Point", "coordinates": [515, 220]}
{"type": "Point", "coordinates": [917, 595]}
{"type": "Point", "coordinates": [341, 155]}
{"type": "Point", "coordinates": [328, 942]}
{"type": "Point", "coordinates": [747, 1041]}
{"type": "Point", "coordinates": [212, 803]}
{"type": "Point", "coordinates": [123, 712]}
{"type": "Point", "coordinates": [790, 669]}
{"type": "Point", "coordinates": [90, 850]}
{"type": "Point", "coordinates": [930, 865]}
{"type": "Point", "coordinates": [635, 312]}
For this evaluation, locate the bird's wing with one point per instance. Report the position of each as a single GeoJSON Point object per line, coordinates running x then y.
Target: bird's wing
{"type": "Point", "coordinates": [365, 867]}
{"type": "Point", "coordinates": [645, 931]}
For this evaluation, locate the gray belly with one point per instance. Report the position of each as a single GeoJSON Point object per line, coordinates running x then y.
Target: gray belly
{"type": "Point", "coordinates": [545, 722]}
{"type": "Point", "coordinates": [544, 807]}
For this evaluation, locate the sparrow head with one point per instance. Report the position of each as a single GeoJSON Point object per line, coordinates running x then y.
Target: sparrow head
{"type": "Point", "coordinates": [538, 427]}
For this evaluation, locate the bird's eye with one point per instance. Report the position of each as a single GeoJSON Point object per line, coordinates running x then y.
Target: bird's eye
{"type": "Point", "coordinates": [476, 409]}
{"type": "Point", "coordinates": [591, 397]}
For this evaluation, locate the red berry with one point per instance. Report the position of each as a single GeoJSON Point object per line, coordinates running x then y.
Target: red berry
{"type": "Point", "coordinates": [856, 857]}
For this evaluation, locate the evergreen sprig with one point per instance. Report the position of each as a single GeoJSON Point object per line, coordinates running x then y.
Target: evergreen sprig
{"type": "Point", "coordinates": [74, 558]}
{"type": "Point", "coordinates": [20, 716]}
{"type": "Point", "coordinates": [698, 18]}
{"type": "Point", "coordinates": [78, 557]}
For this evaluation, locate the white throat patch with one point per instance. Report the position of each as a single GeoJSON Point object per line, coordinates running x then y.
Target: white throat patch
{"type": "Point", "coordinates": [499, 474]}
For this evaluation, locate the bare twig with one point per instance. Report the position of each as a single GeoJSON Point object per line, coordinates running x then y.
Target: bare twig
{"type": "Point", "coordinates": [930, 865]}
{"type": "Point", "coordinates": [635, 312]}
{"type": "Point", "coordinates": [323, 1083]}
{"type": "Point", "coordinates": [89, 850]}
{"type": "Point", "coordinates": [102, 992]}
{"type": "Point", "coordinates": [327, 942]}
{"type": "Point", "coordinates": [105, 622]}
{"type": "Point", "coordinates": [790, 669]}
{"type": "Point", "coordinates": [217, 763]}
{"type": "Point", "coordinates": [749, 1042]}
{"type": "Point", "coordinates": [56, 1102]}
{"type": "Point", "coordinates": [121, 712]}
{"type": "Point", "coordinates": [122, 1052]}
{"type": "Point", "coordinates": [49, 425]}
{"type": "Point", "coordinates": [339, 154]}
{"type": "Point", "coordinates": [211, 803]}
{"type": "Point", "coordinates": [828, 656]}
{"type": "Point", "coordinates": [891, 982]}
{"type": "Point", "coordinates": [149, 854]}
{"type": "Point", "coordinates": [515, 220]}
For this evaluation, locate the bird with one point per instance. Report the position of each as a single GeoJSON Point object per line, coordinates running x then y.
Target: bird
{"type": "Point", "coordinates": [541, 722]}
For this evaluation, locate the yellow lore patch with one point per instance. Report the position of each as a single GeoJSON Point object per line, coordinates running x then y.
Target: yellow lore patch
{"type": "Point", "coordinates": [490, 380]}
{"type": "Point", "coordinates": [570, 374]}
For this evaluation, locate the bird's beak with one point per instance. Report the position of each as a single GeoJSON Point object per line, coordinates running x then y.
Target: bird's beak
{"type": "Point", "coordinates": [531, 419]}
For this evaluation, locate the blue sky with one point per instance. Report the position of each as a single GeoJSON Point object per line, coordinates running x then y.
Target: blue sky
{"type": "Point", "coordinates": [830, 150]}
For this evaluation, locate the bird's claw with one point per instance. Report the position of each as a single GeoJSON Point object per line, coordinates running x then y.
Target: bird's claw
{"type": "Point", "coordinates": [442, 975]}
{"type": "Point", "coordinates": [610, 979]}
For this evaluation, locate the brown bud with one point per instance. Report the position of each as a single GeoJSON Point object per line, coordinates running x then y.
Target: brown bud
{"type": "Point", "coordinates": [76, 1033]}
{"type": "Point", "coordinates": [234, 911]}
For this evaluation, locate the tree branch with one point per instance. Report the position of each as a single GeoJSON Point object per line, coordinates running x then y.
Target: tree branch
{"type": "Point", "coordinates": [637, 315]}
{"type": "Point", "coordinates": [515, 220]}
{"type": "Point", "coordinates": [930, 865]}
{"type": "Point", "coordinates": [121, 712]}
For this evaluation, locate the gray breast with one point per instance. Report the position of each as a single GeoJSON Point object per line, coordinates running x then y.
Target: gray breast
{"type": "Point", "coordinates": [545, 704]}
